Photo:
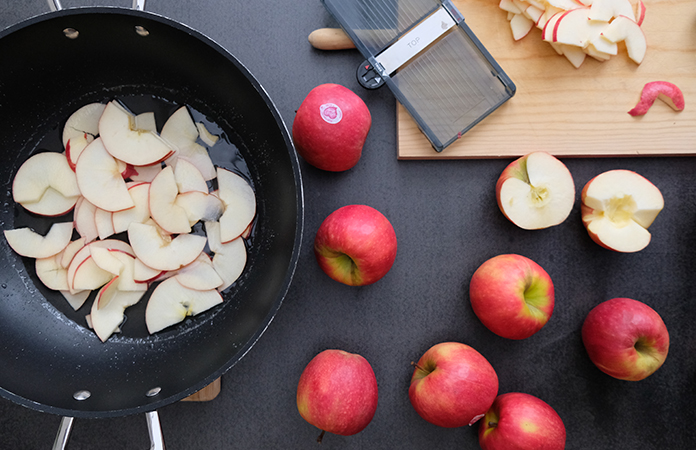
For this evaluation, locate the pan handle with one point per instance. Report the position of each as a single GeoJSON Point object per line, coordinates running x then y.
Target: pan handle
{"type": "Point", "coordinates": [54, 5]}
{"type": "Point", "coordinates": [153, 427]}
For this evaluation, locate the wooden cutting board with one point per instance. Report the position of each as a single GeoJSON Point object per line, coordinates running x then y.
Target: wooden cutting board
{"type": "Point", "coordinates": [576, 112]}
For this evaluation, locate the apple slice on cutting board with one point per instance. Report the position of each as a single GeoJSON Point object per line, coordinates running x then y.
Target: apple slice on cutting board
{"type": "Point", "coordinates": [171, 302]}
{"type": "Point", "coordinates": [618, 206]}
{"type": "Point", "coordinates": [536, 191]}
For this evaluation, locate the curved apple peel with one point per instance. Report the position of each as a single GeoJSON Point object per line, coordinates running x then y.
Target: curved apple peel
{"type": "Point", "coordinates": [663, 90]}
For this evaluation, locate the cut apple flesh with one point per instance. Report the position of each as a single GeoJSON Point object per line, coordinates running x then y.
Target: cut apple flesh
{"type": "Point", "coordinates": [536, 191]}
{"type": "Point", "coordinates": [108, 308]}
{"type": "Point", "coordinates": [171, 302]}
{"type": "Point", "coordinates": [240, 204]}
{"type": "Point", "coordinates": [618, 206]}
{"type": "Point", "coordinates": [29, 243]}
{"type": "Point", "coordinates": [157, 253]}
{"type": "Point", "coordinates": [163, 208]}
{"type": "Point", "coordinates": [100, 180]}
{"type": "Point", "coordinates": [45, 184]}
{"type": "Point", "coordinates": [83, 123]}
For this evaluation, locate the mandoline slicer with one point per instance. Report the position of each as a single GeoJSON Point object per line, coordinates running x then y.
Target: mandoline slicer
{"type": "Point", "coordinates": [430, 59]}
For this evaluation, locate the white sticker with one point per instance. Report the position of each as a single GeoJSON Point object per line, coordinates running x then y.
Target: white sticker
{"type": "Point", "coordinates": [331, 113]}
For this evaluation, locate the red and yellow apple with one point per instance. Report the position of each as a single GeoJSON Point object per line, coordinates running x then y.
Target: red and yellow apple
{"type": "Point", "coordinates": [452, 385]}
{"type": "Point", "coordinates": [617, 208]}
{"type": "Point", "coordinates": [330, 127]}
{"type": "Point", "coordinates": [356, 245]}
{"type": "Point", "coordinates": [536, 191]}
{"type": "Point", "coordinates": [521, 421]}
{"type": "Point", "coordinates": [512, 296]}
{"type": "Point", "coordinates": [337, 393]}
{"type": "Point", "coordinates": [625, 338]}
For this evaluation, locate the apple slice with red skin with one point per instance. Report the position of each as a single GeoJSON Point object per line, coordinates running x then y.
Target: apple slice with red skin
{"type": "Point", "coordinates": [108, 309]}
{"type": "Point", "coordinates": [170, 303]}
{"type": "Point", "coordinates": [84, 273]}
{"type": "Point", "coordinates": [240, 204]}
{"type": "Point", "coordinates": [337, 393]}
{"type": "Point", "coordinates": [200, 206]}
{"type": "Point", "coordinates": [521, 421]}
{"type": "Point", "coordinates": [53, 270]}
{"type": "Point", "coordinates": [99, 179]}
{"type": "Point", "coordinates": [536, 191]}
{"type": "Point", "coordinates": [452, 385]}
{"type": "Point", "coordinates": [84, 221]}
{"type": "Point", "coordinates": [617, 208]}
{"type": "Point", "coordinates": [575, 28]}
{"type": "Point", "coordinates": [625, 339]}
{"type": "Point", "coordinates": [162, 202]}
{"type": "Point", "coordinates": [199, 275]}
{"type": "Point", "coordinates": [163, 254]}
{"type": "Point", "coordinates": [120, 264]}
{"type": "Point", "coordinates": [606, 10]}
{"type": "Point", "coordinates": [144, 173]}
{"type": "Point", "coordinates": [229, 258]}
{"type": "Point", "coordinates": [140, 213]}
{"type": "Point", "coordinates": [104, 222]}
{"type": "Point", "coordinates": [520, 26]}
{"type": "Point", "coordinates": [189, 178]}
{"type": "Point", "coordinates": [640, 12]}
{"type": "Point", "coordinates": [46, 185]}
{"type": "Point", "coordinates": [181, 133]}
{"type": "Point", "coordinates": [663, 90]}
{"type": "Point", "coordinates": [31, 244]}
{"type": "Point", "coordinates": [627, 30]}
{"type": "Point", "coordinates": [84, 121]}
{"type": "Point", "coordinates": [512, 296]}
{"type": "Point", "coordinates": [124, 141]}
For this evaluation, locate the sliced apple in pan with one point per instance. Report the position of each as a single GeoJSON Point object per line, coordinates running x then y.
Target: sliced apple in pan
{"type": "Point", "coordinates": [120, 264]}
{"type": "Point", "coordinates": [159, 253]}
{"type": "Point", "coordinates": [144, 274]}
{"type": "Point", "coordinates": [229, 258]}
{"type": "Point", "coordinates": [100, 180]}
{"type": "Point", "coordinates": [162, 202]}
{"type": "Point", "coordinates": [618, 206]}
{"type": "Point", "coordinates": [140, 213]}
{"type": "Point", "coordinates": [46, 185]}
{"type": "Point", "coordinates": [109, 306]}
{"type": "Point", "coordinates": [171, 302]}
{"type": "Point", "coordinates": [84, 273]}
{"type": "Point", "coordinates": [53, 270]}
{"type": "Point", "coordinates": [83, 218]}
{"type": "Point", "coordinates": [76, 299]}
{"type": "Point", "coordinates": [104, 222]}
{"type": "Point", "coordinates": [240, 204]}
{"type": "Point", "coordinates": [84, 121]}
{"type": "Point", "coordinates": [206, 136]}
{"type": "Point", "coordinates": [189, 178]}
{"type": "Point", "coordinates": [74, 148]}
{"type": "Point", "coordinates": [199, 275]}
{"type": "Point", "coordinates": [124, 141]}
{"type": "Point", "coordinates": [31, 244]}
{"type": "Point", "coordinates": [200, 206]}
{"type": "Point", "coordinates": [181, 132]}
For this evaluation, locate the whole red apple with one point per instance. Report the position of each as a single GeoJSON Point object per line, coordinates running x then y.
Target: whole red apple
{"type": "Point", "coordinates": [355, 245]}
{"type": "Point", "coordinates": [512, 296]}
{"type": "Point", "coordinates": [625, 338]}
{"type": "Point", "coordinates": [453, 385]}
{"type": "Point", "coordinates": [337, 393]}
{"type": "Point", "coordinates": [519, 421]}
{"type": "Point", "coordinates": [330, 127]}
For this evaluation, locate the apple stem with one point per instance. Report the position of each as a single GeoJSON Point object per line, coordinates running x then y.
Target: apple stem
{"type": "Point", "coordinates": [414, 364]}
{"type": "Point", "coordinates": [321, 436]}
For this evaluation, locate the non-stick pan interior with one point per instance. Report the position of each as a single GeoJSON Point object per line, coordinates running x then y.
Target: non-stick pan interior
{"type": "Point", "coordinates": [47, 352]}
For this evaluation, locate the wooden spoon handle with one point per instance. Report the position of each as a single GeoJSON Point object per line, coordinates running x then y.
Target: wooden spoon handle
{"type": "Point", "coordinates": [330, 39]}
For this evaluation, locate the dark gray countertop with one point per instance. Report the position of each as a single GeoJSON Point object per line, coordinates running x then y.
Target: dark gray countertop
{"type": "Point", "coordinates": [447, 224]}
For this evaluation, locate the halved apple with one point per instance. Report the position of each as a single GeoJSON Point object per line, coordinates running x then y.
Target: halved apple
{"type": "Point", "coordinates": [100, 180]}
{"type": "Point", "coordinates": [46, 185]}
{"type": "Point", "coordinates": [536, 191]}
{"type": "Point", "coordinates": [171, 302]}
{"type": "Point", "coordinates": [618, 206]}
{"type": "Point", "coordinates": [31, 244]}
{"type": "Point", "coordinates": [109, 307]}
{"type": "Point", "coordinates": [240, 204]}
{"type": "Point", "coordinates": [124, 141]}
{"type": "Point", "coordinates": [159, 253]}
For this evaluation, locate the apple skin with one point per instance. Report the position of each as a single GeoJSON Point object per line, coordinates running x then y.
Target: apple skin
{"type": "Point", "coordinates": [337, 392]}
{"type": "Point", "coordinates": [519, 421]}
{"type": "Point", "coordinates": [512, 296]}
{"type": "Point", "coordinates": [355, 245]}
{"type": "Point", "coordinates": [625, 339]}
{"type": "Point", "coordinates": [453, 385]}
{"type": "Point", "coordinates": [330, 127]}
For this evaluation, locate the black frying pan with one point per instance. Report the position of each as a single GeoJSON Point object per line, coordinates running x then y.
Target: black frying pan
{"type": "Point", "coordinates": [47, 353]}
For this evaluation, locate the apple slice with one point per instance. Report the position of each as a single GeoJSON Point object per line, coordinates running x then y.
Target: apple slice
{"type": "Point", "coordinates": [77, 299]}
{"type": "Point", "coordinates": [189, 178]}
{"type": "Point", "coordinates": [575, 28]}
{"type": "Point", "coordinates": [171, 302]}
{"type": "Point", "coordinates": [83, 123]}
{"type": "Point", "coordinates": [159, 253]}
{"type": "Point", "coordinates": [162, 202]}
{"type": "Point", "coordinates": [627, 30]}
{"type": "Point", "coordinates": [70, 251]}
{"type": "Point", "coordinates": [83, 218]}
{"type": "Point", "coordinates": [509, 6]}
{"type": "Point", "coordinates": [618, 206]}
{"type": "Point", "coordinates": [199, 275]}
{"type": "Point", "coordinates": [665, 91]}
{"type": "Point", "coordinates": [575, 55]}
{"type": "Point", "coordinates": [146, 122]}
{"type": "Point", "coordinates": [640, 12]}
{"type": "Point", "coordinates": [108, 308]}
{"type": "Point", "coordinates": [144, 274]}
{"type": "Point", "coordinates": [145, 173]}
{"type": "Point", "coordinates": [229, 258]}
{"type": "Point", "coordinates": [106, 260]}
{"type": "Point", "coordinates": [520, 25]}
{"type": "Point", "coordinates": [120, 264]}
{"type": "Point", "coordinates": [31, 244]}
{"type": "Point", "coordinates": [605, 10]}
{"type": "Point", "coordinates": [240, 204]}
{"type": "Point", "coordinates": [74, 148]}
{"type": "Point", "coordinates": [124, 141]}
{"type": "Point", "coordinates": [51, 273]}
{"type": "Point", "coordinates": [181, 133]}
{"type": "Point", "coordinates": [100, 180]}
{"type": "Point", "coordinates": [200, 206]}
{"type": "Point", "coordinates": [104, 222]}
{"type": "Point", "coordinates": [206, 136]}
{"type": "Point", "coordinates": [84, 273]}
{"type": "Point", "coordinates": [140, 213]}
{"type": "Point", "coordinates": [46, 185]}
{"type": "Point", "coordinates": [536, 191]}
